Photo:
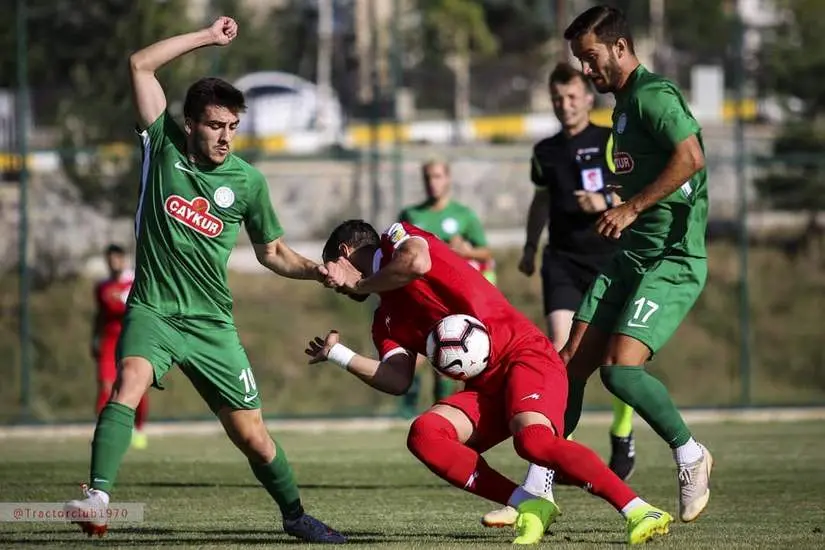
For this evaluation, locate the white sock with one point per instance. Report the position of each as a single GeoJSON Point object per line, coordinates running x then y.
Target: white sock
{"type": "Point", "coordinates": [635, 503]}
{"type": "Point", "coordinates": [688, 453]}
{"type": "Point", "coordinates": [539, 481]}
{"type": "Point", "coordinates": [519, 495]}
{"type": "Point", "coordinates": [104, 496]}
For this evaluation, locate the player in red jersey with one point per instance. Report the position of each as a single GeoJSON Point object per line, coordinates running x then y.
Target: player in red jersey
{"type": "Point", "coordinates": [522, 393]}
{"type": "Point", "coordinates": [110, 301]}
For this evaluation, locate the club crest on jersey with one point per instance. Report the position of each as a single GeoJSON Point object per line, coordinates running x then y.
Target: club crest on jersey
{"type": "Point", "coordinates": [622, 162]}
{"type": "Point", "coordinates": [194, 214]}
{"type": "Point", "coordinates": [224, 197]}
{"type": "Point", "coordinates": [621, 124]}
{"type": "Point", "coordinates": [450, 226]}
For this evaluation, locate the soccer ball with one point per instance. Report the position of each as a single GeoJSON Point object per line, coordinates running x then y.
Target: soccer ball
{"type": "Point", "coordinates": [459, 347]}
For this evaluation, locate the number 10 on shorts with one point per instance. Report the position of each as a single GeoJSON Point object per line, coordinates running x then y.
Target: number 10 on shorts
{"type": "Point", "coordinates": [248, 382]}
{"type": "Point", "coordinates": [644, 309]}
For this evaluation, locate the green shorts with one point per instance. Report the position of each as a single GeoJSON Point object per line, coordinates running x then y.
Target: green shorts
{"type": "Point", "coordinates": [646, 299]}
{"type": "Point", "coordinates": [209, 352]}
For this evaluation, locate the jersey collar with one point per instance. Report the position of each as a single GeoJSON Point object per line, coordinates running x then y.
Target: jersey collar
{"type": "Point", "coordinates": [631, 82]}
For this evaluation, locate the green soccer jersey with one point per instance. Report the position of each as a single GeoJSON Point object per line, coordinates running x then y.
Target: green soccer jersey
{"type": "Point", "coordinates": [187, 223]}
{"type": "Point", "coordinates": [649, 119]}
{"type": "Point", "coordinates": [454, 219]}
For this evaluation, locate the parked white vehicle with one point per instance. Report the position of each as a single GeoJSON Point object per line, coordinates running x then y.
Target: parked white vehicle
{"type": "Point", "coordinates": [281, 103]}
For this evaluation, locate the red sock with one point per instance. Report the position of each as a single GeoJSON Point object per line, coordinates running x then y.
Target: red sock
{"type": "Point", "coordinates": [141, 412]}
{"type": "Point", "coordinates": [434, 441]}
{"type": "Point", "coordinates": [539, 445]}
{"type": "Point", "coordinates": [103, 394]}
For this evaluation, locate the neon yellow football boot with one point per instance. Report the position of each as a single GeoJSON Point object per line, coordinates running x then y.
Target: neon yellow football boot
{"type": "Point", "coordinates": [647, 522]}
{"type": "Point", "coordinates": [534, 516]}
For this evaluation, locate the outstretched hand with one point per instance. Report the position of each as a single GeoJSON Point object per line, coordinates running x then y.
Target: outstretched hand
{"type": "Point", "coordinates": [318, 348]}
{"type": "Point", "coordinates": [223, 30]}
{"type": "Point", "coordinates": [341, 274]}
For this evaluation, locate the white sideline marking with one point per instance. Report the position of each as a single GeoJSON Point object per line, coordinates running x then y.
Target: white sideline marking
{"type": "Point", "coordinates": [709, 416]}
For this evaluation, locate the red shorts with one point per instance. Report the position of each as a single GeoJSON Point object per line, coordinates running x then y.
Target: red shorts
{"type": "Point", "coordinates": [536, 381]}
{"type": "Point", "coordinates": [106, 362]}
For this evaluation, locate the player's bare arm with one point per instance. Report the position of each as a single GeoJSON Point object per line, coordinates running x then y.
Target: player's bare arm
{"type": "Point", "coordinates": [410, 261]}
{"type": "Point", "coordinates": [279, 258]}
{"type": "Point", "coordinates": [687, 159]}
{"type": "Point", "coordinates": [148, 96]}
{"type": "Point", "coordinates": [536, 221]}
{"type": "Point", "coordinates": [393, 375]}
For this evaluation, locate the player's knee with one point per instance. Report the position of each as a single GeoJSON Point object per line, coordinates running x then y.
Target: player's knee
{"type": "Point", "coordinates": [133, 379]}
{"type": "Point", "coordinates": [256, 445]}
{"type": "Point", "coordinates": [536, 444]}
{"type": "Point", "coordinates": [426, 430]}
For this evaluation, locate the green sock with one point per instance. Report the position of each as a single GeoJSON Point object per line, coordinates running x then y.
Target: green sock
{"type": "Point", "coordinates": [622, 418]}
{"type": "Point", "coordinates": [113, 435]}
{"type": "Point", "coordinates": [643, 392]}
{"type": "Point", "coordinates": [279, 481]}
{"type": "Point", "coordinates": [443, 387]}
{"type": "Point", "coordinates": [575, 401]}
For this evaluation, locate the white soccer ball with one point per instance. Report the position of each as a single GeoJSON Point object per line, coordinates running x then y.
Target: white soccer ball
{"type": "Point", "coordinates": [459, 347]}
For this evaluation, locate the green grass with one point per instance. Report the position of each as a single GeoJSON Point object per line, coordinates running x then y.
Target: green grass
{"type": "Point", "coordinates": [768, 488]}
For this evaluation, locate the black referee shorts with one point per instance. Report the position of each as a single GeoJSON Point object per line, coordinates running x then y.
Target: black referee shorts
{"type": "Point", "coordinates": [564, 282]}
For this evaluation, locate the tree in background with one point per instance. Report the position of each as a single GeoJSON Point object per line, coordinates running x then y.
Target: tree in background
{"type": "Point", "coordinates": [458, 30]}
{"type": "Point", "coordinates": [793, 60]}
{"type": "Point", "coordinates": [78, 72]}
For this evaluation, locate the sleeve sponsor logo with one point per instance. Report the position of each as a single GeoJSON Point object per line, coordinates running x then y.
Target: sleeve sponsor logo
{"type": "Point", "coordinates": [396, 234]}
{"type": "Point", "coordinates": [623, 162]}
{"type": "Point", "coordinates": [194, 214]}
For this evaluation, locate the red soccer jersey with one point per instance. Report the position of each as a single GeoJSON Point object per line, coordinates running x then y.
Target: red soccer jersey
{"type": "Point", "coordinates": [111, 295]}
{"type": "Point", "coordinates": [406, 315]}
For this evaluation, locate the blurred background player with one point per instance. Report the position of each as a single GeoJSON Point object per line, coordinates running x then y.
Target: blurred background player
{"type": "Point", "coordinates": [571, 178]}
{"type": "Point", "coordinates": [110, 301]}
{"type": "Point", "coordinates": [457, 225]}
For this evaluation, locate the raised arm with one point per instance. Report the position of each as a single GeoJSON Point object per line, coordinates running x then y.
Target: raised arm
{"type": "Point", "coordinates": [410, 261]}
{"type": "Point", "coordinates": [147, 93]}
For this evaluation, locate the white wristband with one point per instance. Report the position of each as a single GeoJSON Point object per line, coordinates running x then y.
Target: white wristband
{"type": "Point", "coordinates": [341, 355]}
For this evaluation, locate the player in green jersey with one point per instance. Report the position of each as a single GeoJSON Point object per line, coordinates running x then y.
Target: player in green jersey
{"type": "Point", "coordinates": [456, 224]}
{"type": "Point", "coordinates": [194, 196]}
{"type": "Point", "coordinates": [645, 292]}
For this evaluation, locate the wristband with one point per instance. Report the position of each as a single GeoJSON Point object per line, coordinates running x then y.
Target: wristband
{"type": "Point", "coordinates": [341, 355]}
{"type": "Point", "coordinates": [608, 199]}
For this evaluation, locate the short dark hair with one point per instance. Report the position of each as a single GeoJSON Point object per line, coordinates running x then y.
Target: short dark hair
{"type": "Point", "coordinates": [606, 22]}
{"type": "Point", "coordinates": [353, 233]}
{"type": "Point", "coordinates": [565, 73]}
{"type": "Point", "coordinates": [212, 91]}
{"type": "Point", "coordinates": [115, 249]}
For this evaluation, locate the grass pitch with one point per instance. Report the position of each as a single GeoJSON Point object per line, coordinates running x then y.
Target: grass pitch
{"type": "Point", "coordinates": [768, 491]}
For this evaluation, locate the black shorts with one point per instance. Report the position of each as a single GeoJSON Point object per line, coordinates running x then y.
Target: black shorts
{"type": "Point", "coordinates": [564, 282]}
